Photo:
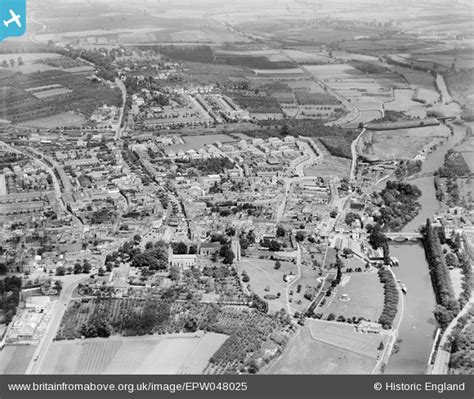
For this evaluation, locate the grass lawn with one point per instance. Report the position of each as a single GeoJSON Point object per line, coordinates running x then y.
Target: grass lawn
{"type": "Point", "coordinates": [366, 297]}
{"type": "Point", "coordinates": [176, 354]}
{"type": "Point", "coordinates": [309, 279]}
{"type": "Point", "coordinates": [344, 336]}
{"type": "Point", "coordinates": [305, 355]}
{"type": "Point", "coordinates": [265, 280]}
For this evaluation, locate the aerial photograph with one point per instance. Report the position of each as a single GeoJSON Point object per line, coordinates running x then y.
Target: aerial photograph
{"type": "Point", "coordinates": [211, 187]}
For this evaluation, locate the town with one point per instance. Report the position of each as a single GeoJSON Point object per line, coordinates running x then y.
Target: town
{"type": "Point", "coordinates": [230, 198]}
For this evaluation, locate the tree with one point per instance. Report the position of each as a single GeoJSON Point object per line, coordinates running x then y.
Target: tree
{"type": "Point", "coordinates": [277, 265]}
{"type": "Point", "coordinates": [174, 273]}
{"type": "Point", "coordinates": [12, 62]}
{"type": "Point", "coordinates": [381, 346]}
{"type": "Point", "coordinates": [77, 268]}
{"type": "Point", "coordinates": [244, 243]}
{"type": "Point", "coordinates": [300, 236]}
{"type": "Point", "coordinates": [20, 61]}
{"type": "Point", "coordinates": [346, 252]}
{"type": "Point", "coordinates": [101, 272]}
{"type": "Point", "coordinates": [274, 246]}
{"type": "Point", "coordinates": [333, 214]}
{"type": "Point", "coordinates": [137, 238]}
{"type": "Point", "coordinates": [351, 217]}
{"type": "Point", "coordinates": [179, 248]}
{"type": "Point", "coordinates": [331, 316]}
{"type": "Point", "coordinates": [339, 274]}
{"type": "Point", "coordinates": [60, 271]}
{"type": "Point", "coordinates": [280, 231]}
{"type": "Point", "coordinates": [3, 269]}
{"type": "Point", "coordinates": [5, 64]}
{"type": "Point", "coordinates": [376, 238]}
{"type": "Point", "coordinates": [58, 286]}
{"type": "Point", "coordinates": [251, 237]}
{"type": "Point", "coordinates": [86, 267]}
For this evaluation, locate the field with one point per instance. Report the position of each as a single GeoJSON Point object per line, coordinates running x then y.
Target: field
{"type": "Point", "coordinates": [461, 87]}
{"type": "Point", "coordinates": [65, 119]}
{"type": "Point", "coordinates": [14, 359]}
{"type": "Point", "coordinates": [423, 81]}
{"type": "Point", "coordinates": [344, 336]}
{"type": "Point", "coordinates": [466, 149]}
{"type": "Point", "coordinates": [399, 44]}
{"type": "Point", "coordinates": [401, 143]}
{"type": "Point", "coordinates": [403, 102]}
{"type": "Point", "coordinates": [305, 355]}
{"type": "Point", "coordinates": [265, 280]}
{"type": "Point", "coordinates": [178, 354]}
{"type": "Point", "coordinates": [330, 166]}
{"type": "Point", "coordinates": [366, 297]}
{"type": "Point", "coordinates": [260, 62]}
{"type": "Point", "coordinates": [305, 57]}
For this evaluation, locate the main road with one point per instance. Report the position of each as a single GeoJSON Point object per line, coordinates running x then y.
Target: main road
{"type": "Point", "coordinates": [69, 285]}
{"type": "Point", "coordinates": [355, 156]}
{"type": "Point", "coordinates": [123, 89]}
{"type": "Point", "coordinates": [441, 364]}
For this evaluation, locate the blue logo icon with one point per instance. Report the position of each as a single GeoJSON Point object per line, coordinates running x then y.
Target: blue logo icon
{"type": "Point", "coordinates": [12, 18]}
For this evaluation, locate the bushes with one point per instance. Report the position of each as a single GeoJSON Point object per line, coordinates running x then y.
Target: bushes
{"type": "Point", "coordinates": [390, 298]}
{"type": "Point", "coordinates": [10, 289]}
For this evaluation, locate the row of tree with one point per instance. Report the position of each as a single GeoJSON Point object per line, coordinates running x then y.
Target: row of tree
{"type": "Point", "coordinates": [390, 298]}
{"type": "Point", "coordinates": [447, 307]}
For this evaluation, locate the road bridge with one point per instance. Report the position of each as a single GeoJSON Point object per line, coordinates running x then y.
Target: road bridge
{"type": "Point", "coordinates": [400, 237]}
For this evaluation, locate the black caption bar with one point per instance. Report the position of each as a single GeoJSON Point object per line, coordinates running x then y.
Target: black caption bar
{"type": "Point", "coordinates": [260, 386]}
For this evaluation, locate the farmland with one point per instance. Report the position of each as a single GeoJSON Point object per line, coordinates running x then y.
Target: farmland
{"type": "Point", "coordinates": [14, 359]}
{"type": "Point", "coordinates": [305, 355]}
{"type": "Point", "coordinates": [421, 81]}
{"type": "Point", "coordinates": [402, 143]}
{"type": "Point", "coordinates": [174, 354]}
{"type": "Point", "coordinates": [253, 62]}
{"type": "Point", "coordinates": [41, 94]}
{"type": "Point", "coordinates": [461, 87]}
{"type": "Point", "coordinates": [403, 102]}
{"type": "Point", "coordinates": [249, 330]}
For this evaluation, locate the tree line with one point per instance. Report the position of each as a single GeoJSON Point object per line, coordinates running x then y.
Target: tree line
{"type": "Point", "coordinates": [448, 306]}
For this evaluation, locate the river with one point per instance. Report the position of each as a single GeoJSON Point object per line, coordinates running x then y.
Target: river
{"type": "Point", "coordinates": [429, 204]}
{"type": "Point", "coordinates": [418, 325]}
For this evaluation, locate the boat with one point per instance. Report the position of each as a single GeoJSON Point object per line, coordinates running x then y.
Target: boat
{"type": "Point", "coordinates": [404, 288]}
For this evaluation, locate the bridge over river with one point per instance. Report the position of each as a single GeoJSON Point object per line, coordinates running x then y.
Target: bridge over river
{"type": "Point", "coordinates": [401, 236]}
